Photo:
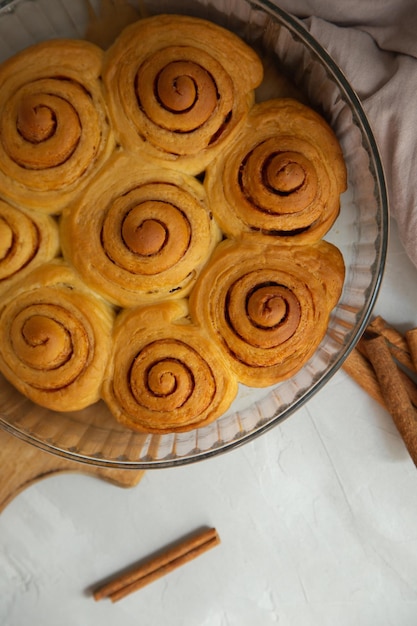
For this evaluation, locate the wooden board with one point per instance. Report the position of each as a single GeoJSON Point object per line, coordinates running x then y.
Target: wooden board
{"type": "Point", "coordinates": [21, 465]}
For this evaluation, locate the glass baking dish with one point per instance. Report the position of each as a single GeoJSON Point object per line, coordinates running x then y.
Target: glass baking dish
{"type": "Point", "coordinates": [296, 65]}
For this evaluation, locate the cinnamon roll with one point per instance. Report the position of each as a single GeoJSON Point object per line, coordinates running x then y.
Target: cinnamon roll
{"type": "Point", "coordinates": [54, 129]}
{"type": "Point", "coordinates": [268, 307]}
{"type": "Point", "coordinates": [27, 239]}
{"type": "Point", "coordinates": [55, 338]}
{"type": "Point", "coordinates": [178, 88]}
{"type": "Point", "coordinates": [139, 235]}
{"type": "Point", "coordinates": [165, 375]}
{"type": "Point", "coordinates": [282, 178]}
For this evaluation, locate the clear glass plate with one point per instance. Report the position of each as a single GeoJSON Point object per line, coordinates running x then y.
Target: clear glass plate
{"type": "Point", "coordinates": [295, 64]}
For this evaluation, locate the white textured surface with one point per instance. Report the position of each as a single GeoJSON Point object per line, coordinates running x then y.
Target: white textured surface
{"type": "Point", "coordinates": [318, 521]}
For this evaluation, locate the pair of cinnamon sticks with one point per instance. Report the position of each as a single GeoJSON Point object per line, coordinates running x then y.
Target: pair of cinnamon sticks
{"type": "Point", "coordinates": [154, 568]}
{"type": "Point", "coordinates": [384, 364]}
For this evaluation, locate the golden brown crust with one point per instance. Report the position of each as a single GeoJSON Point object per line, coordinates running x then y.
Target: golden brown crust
{"type": "Point", "coordinates": [27, 239]}
{"type": "Point", "coordinates": [138, 230]}
{"type": "Point", "coordinates": [54, 132]}
{"type": "Point", "coordinates": [282, 178]}
{"type": "Point", "coordinates": [267, 306]}
{"type": "Point", "coordinates": [148, 232]}
{"type": "Point", "coordinates": [165, 375]}
{"type": "Point", "coordinates": [55, 338]}
{"type": "Point", "coordinates": [178, 88]}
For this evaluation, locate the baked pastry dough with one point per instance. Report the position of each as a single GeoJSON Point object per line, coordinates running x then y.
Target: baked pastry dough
{"type": "Point", "coordinates": [282, 177]}
{"type": "Point", "coordinates": [55, 338]}
{"type": "Point", "coordinates": [165, 375]}
{"type": "Point", "coordinates": [218, 279]}
{"type": "Point", "coordinates": [54, 132]}
{"type": "Point", "coordinates": [178, 88]}
{"type": "Point", "coordinates": [27, 239]}
{"type": "Point", "coordinates": [148, 232]}
{"type": "Point", "coordinates": [268, 306]}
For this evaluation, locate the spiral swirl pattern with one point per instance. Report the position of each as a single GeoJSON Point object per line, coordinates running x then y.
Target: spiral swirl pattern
{"type": "Point", "coordinates": [268, 307]}
{"type": "Point", "coordinates": [26, 240]}
{"type": "Point", "coordinates": [165, 376]}
{"type": "Point", "coordinates": [53, 123]}
{"type": "Point", "coordinates": [148, 233]}
{"type": "Point", "coordinates": [114, 145]}
{"type": "Point", "coordinates": [185, 94]}
{"type": "Point", "coordinates": [179, 102]}
{"type": "Point", "coordinates": [282, 179]}
{"type": "Point", "coordinates": [55, 339]}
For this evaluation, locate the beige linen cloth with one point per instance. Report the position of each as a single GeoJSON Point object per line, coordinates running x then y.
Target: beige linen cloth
{"type": "Point", "coordinates": [374, 42]}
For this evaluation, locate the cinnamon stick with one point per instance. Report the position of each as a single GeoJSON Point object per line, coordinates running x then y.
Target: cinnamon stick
{"type": "Point", "coordinates": [410, 386]}
{"type": "Point", "coordinates": [394, 392]}
{"type": "Point", "coordinates": [411, 339]}
{"type": "Point", "coordinates": [408, 382]}
{"type": "Point", "coordinates": [361, 371]}
{"type": "Point", "coordinates": [396, 342]}
{"type": "Point", "coordinates": [154, 568]}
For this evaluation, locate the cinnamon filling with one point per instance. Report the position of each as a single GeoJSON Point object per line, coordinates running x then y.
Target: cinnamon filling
{"type": "Point", "coordinates": [35, 123]}
{"type": "Point", "coordinates": [146, 238]}
{"type": "Point", "coordinates": [274, 309]}
{"type": "Point", "coordinates": [48, 131]}
{"type": "Point", "coordinates": [266, 308]}
{"type": "Point", "coordinates": [281, 183]}
{"type": "Point", "coordinates": [161, 378]}
{"type": "Point", "coordinates": [48, 342]}
{"type": "Point", "coordinates": [181, 84]}
{"type": "Point", "coordinates": [263, 314]}
{"type": "Point", "coordinates": [158, 380]}
{"type": "Point", "coordinates": [283, 175]}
